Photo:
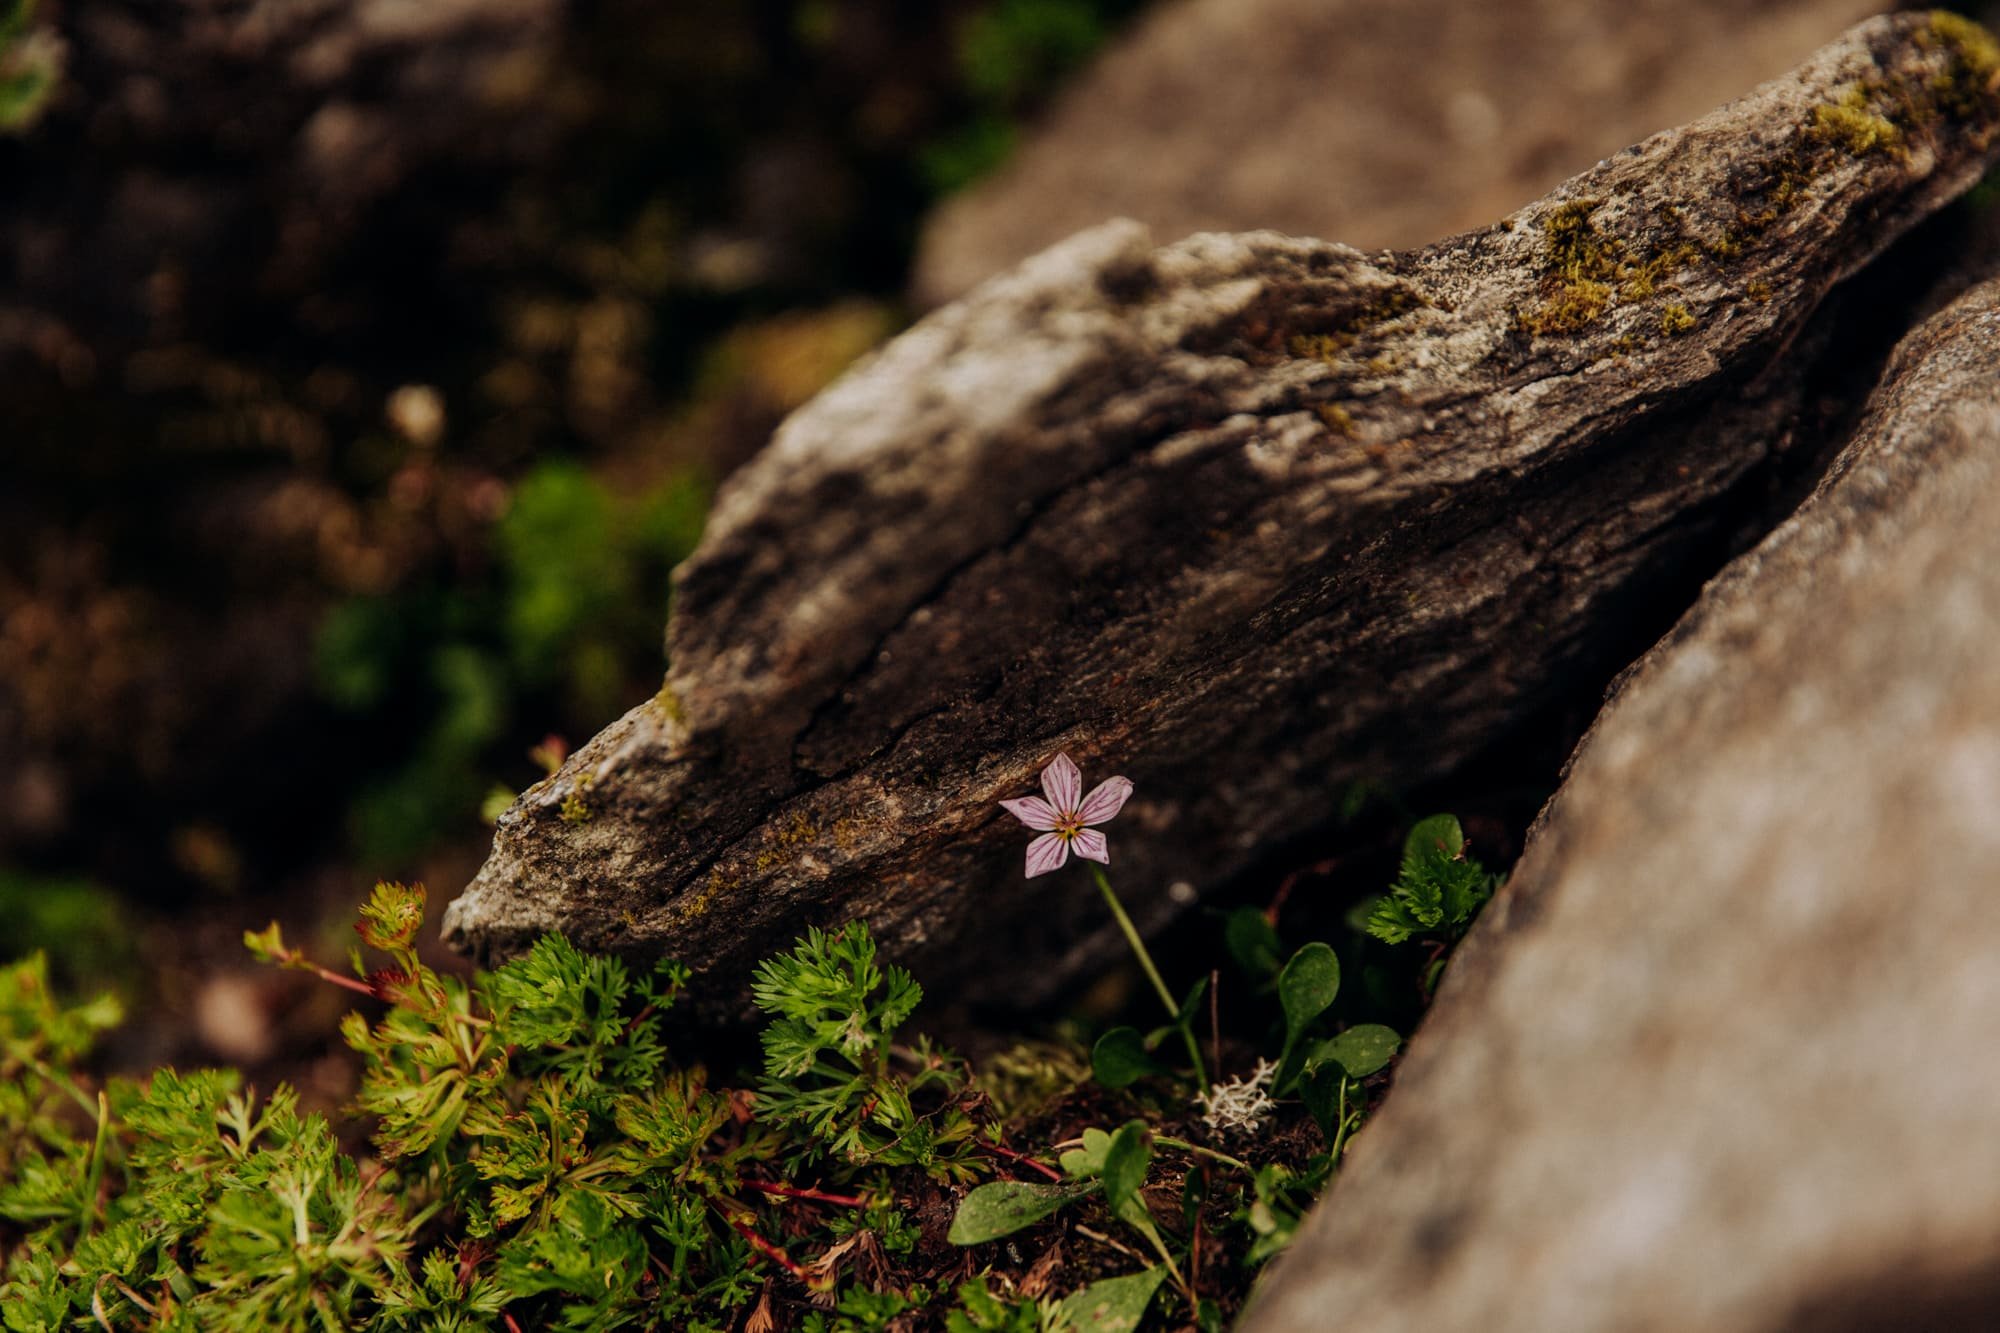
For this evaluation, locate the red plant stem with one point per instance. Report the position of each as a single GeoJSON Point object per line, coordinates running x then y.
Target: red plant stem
{"type": "Point", "coordinates": [1291, 881]}
{"type": "Point", "coordinates": [1194, 1249]}
{"type": "Point", "coordinates": [1215, 1017]}
{"type": "Point", "coordinates": [792, 1192]}
{"type": "Point", "coordinates": [511, 1325]}
{"type": "Point", "coordinates": [1024, 1159]}
{"type": "Point", "coordinates": [767, 1249]}
{"type": "Point", "coordinates": [297, 959]}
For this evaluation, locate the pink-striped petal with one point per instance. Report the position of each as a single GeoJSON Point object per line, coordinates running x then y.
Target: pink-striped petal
{"type": "Point", "coordinates": [1033, 811]}
{"type": "Point", "coordinates": [1062, 783]}
{"type": "Point", "coordinates": [1091, 846]}
{"type": "Point", "coordinates": [1047, 853]}
{"type": "Point", "coordinates": [1106, 799]}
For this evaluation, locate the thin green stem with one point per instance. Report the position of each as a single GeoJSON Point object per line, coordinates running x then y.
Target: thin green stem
{"type": "Point", "coordinates": [1152, 972]}
{"type": "Point", "coordinates": [1222, 1157]}
{"type": "Point", "coordinates": [1344, 1125]}
{"type": "Point", "coordinates": [63, 1083]}
{"type": "Point", "coordinates": [94, 1176]}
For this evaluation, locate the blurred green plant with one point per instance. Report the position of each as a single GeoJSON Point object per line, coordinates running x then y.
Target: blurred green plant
{"type": "Point", "coordinates": [30, 66]}
{"type": "Point", "coordinates": [564, 626]}
{"type": "Point", "coordinates": [1012, 55]}
{"type": "Point", "coordinates": [80, 924]}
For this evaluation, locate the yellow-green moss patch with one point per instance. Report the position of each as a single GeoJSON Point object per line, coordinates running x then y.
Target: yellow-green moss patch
{"type": "Point", "coordinates": [1974, 76]}
{"type": "Point", "coordinates": [1335, 418]}
{"type": "Point", "coordinates": [1854, 124]}
{"type": "Point", "coordinates": [1339, 331]}
{"type": "Point", "coordinates": [1587, 271]}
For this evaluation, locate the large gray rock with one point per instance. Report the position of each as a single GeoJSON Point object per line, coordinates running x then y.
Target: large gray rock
{"type": "Point", "coordinates": [1247, 518]}
{"type": "Point", "coordinates": [1722, 1055]}
{"type": "Point", "coordinates": [1381, 124]}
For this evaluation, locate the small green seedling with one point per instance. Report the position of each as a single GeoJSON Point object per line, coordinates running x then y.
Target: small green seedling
{"type": "Point", "coordinates": [1440, 889]}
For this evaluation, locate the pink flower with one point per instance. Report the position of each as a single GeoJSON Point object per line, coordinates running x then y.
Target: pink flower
{"type": "Point", "coordinates": [1066, 816]}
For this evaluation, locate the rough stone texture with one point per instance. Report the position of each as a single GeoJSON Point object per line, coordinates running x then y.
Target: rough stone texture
{"type": "Point", "coordinates": [1721, 1054]}
{"type": "Point", "coordinates": [1247, 518]}
{"type": "Point", "coordinates": [1380, 124]}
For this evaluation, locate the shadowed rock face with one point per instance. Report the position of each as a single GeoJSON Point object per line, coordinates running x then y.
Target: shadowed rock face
{"type": "Point", "coordinates": [1720, 1056]}
{"type": "Point", "coordinates": [1247, 518]}
{"type": "Point", "coordinates": [1428, 116]}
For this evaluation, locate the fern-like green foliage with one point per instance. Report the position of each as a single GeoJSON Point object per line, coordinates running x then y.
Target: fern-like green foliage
{"type": "Point", "coordinates": [540, 1159]}
{"type": "Point", "coordinates": [1440, 889]}
{"type": "Point", "coordinates": [831, 1065]}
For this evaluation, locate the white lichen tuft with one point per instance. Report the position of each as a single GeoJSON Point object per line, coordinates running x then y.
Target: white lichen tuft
{"type": "Point", "coordinates": [1240, 1105]}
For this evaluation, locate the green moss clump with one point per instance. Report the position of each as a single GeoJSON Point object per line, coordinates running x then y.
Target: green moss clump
{"type": "Point", "coordinates": [1588, 271]}
{"type": "Point", "coordinates": [1571, 308]}
{"type": "Point", "coordinates": [1325, 347]}
{"type": "Point", "coordinates": [1854, 127]}
{"type": "Point", "coordinates": [1335, 418]}
{"type": "Point", "coordinates": [668, 702]}
{"type": "Point", "coordinates": [1575, 248]}
{"type": "Point", "coordinates": [1859, 129]}
{"type": "Point", "coordinates": [574, 812]}
{"type": "Point", "coordinates": [1581, 264]}
{"type": "Point", "coordinates": [1331, 342]}
{"type": "Point", "coordinates": [1975, 63]}
{"type": "Point", "coordinates": [1676, 319]}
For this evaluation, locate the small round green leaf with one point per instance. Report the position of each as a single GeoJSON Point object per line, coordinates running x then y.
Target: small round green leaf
{"type": "Point", "coordinates": [1307, 986]}
{"type": "Point", "coordinates": [1119, 1059]}
{"type": "Point", "coordinates": [1087, 1162]}
{"type": "Point", "coordinates": [1440, 835]}
{"type": "Point", "coordinates": [1360, 1050]}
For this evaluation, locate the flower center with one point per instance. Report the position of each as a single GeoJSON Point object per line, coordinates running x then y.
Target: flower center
{"type": "Point", "coordinates": [1067, 827]}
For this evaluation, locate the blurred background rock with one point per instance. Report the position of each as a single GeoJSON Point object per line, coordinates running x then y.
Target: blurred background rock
{"type": "Point", "coordinates": [366, 365]}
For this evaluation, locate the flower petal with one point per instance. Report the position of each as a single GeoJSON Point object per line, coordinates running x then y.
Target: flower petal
{"type": "Point", "coordinates": [1106, 799]}
{"type": "Point", "coordinates": [1047, 853]}
{"type": "Point", "coordinates": [1062, 783]}
{"type": "Point", "coordinates": [1090, 845]}
{"type": "Point", "coordinates": [1033, 811]}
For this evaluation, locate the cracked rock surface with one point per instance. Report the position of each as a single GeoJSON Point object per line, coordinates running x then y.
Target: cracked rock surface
{"type": "Point", "coordinates": [1247, 518]}
{"type": "Point", "coordinates": [1433, 116]}
{"type": "Point", "coordinates": [1720, 1056]}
